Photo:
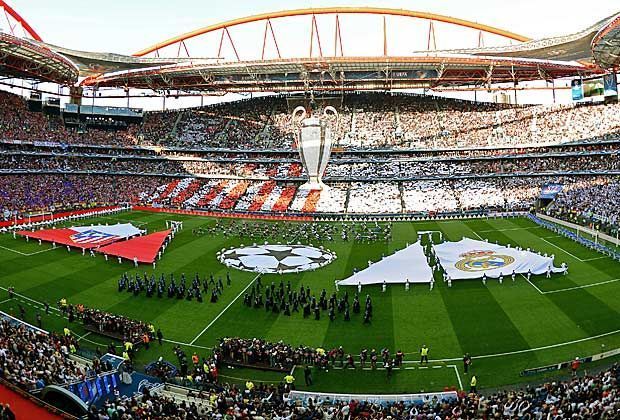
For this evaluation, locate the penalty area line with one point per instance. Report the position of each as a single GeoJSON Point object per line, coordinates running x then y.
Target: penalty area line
{"type": "Point", "coordinates": [533, 285]}
{"type": "Point", "coordinates": [568, 289]}
{"type": "Point", "coordinates": [30, 300]}
{"type": "Point", "coordinates": [458, 375]}
{"type": "Point", "coordinates": [563, 250]}
{"type": "Point", "coordinates": [223, 310]}
{"type": "Point", "coordinates": [511, 229]}
{"type": "Point", "coordinates": [595, 258]}
{"type": "Point", "coordinates": [479, 237]}
{"type": "Point", "coordinates": [14, 250]}
{"type": "Point", "coordinates": [530, 350]}
{"type": "Point", "coordinates": [585, 286]}
{"type": "Point", "coordinates": [24, 253]}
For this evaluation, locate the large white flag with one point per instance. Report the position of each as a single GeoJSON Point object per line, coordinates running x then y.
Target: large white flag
{"type": "Point", "coordinates": [103, 233]}
{"type": "Point", "coordinates": [407, 264]}
{"type": "Point", "coordinates": [471, 259]}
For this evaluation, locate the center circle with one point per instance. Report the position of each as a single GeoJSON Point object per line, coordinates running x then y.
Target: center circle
{"type": "Point", "coordinates": [276, 258]}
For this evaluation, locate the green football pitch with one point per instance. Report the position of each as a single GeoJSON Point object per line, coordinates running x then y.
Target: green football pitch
{"type": "Point", "coordinates": [506, 328]}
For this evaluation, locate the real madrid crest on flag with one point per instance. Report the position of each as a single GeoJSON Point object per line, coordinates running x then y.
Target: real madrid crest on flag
{"type": "Point", "coordinates": [471, 259]}
{"type": "Point", "coordinates": [483, 261]}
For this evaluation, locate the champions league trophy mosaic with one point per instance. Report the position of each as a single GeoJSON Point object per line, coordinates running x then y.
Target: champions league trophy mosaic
{"type": "Point", "coordinates": [314, 128]}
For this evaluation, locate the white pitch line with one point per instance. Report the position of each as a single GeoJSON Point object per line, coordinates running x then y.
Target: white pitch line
{"type": "Point", "coordinates": [533, 285]}
{"type": "Point", "coordinates": [223, 310]}
{"type": "Point", "coordinates": [567, 289]}
{"type": "Point", "coordinates": [31, 300]}
{"type": "Point", "coordinates": [562, 249]}
{"type": "Point", "coordinates": [585, 286]}
{"type": "Point", "coordinates": [40, 252]}
{"type": "Point", "coordinates": [24, 253]}
{"type": "Point", "coordinates": [454, 359]}
{"type": "Point", "coordinates": [479, 237]}
{"type": "Point", "coordinates": [186, 344]}
{"type": "Point", "coordinates": [458, 375]}
{"type": "Point", "coordinates": [531, 350]}
{"type": "Point", "coordinates": [595, 258]}
{"type": "Point", "coordinates": [82, 336]}
{"type": "Point", "coordinates": [235, 378]}
{"type": "Point", "coordinates": [511, 229]}
{"type": "Point", "coordinates": [13, 250]}
{"type": "Point", "coordinates": [101, 344]}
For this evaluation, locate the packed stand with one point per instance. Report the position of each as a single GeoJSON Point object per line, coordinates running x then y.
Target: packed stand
{"type": "Point", "coordinates": [590, 201]}
{"type": "Point", "coordinates": [20, 194]}
{"type": "Point", "coordinates": [32, 360]}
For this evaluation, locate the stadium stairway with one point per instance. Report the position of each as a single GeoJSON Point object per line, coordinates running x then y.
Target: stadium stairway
{"type": "Point", "coordinates": [175, 126]}
{"type": "Point", "coordinates": [346, 201]}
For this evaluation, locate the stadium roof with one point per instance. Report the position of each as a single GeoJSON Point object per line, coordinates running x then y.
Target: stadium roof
{"type": "Point", "coordinates": [545, 59]}
{"type": "Point", "coordinates": [606, 44]}
{"type": "Point", "coordinates": [26, 59]}
{"type": "Point", "coordinates": [95, 63]}
{"type": "Point", "coordinates": [341, 73]}
{"type": "Point", "coordinates": [580, 54]}
{"type": "Point", "coordinates": [572, 47]}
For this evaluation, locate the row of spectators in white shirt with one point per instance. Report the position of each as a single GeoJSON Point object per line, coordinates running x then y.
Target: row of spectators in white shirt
{"type": "Point", "coordinates": [395, 168]}
{"type": "Point", "coordinates": [592, 199]}
{"type": "Point", "coordinates": [367, 120]}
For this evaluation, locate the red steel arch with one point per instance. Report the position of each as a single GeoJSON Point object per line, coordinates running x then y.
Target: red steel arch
{"type": "Point", "coordinates": [331, 10]}
{"type": "Point", "coordinates": [11, 12]}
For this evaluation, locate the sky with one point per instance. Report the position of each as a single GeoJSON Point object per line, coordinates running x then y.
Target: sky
{"type": "Point", "coordinates": [126, 26]}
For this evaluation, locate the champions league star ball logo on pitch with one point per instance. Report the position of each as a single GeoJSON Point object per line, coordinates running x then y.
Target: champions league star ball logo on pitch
{"type": "Point", "coordinates": [276, 258]}
{"type": "Point", "coordinates": [482, 261]}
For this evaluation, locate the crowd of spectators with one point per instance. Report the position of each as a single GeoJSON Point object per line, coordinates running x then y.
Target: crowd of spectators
{"type": "Point", "coordinates": [32, 359]}
{"type": "Point", "coordinates": [340, 169]}
{"type": "Point", "coordinates": [591, 201]}
{"type": "Point", "coordinates": [379, 197]}
{"type": "Point", "coordinates": [259, 352]}
{"type": "Point", "coordinates": [440, 181]}
{"type": "Point", "coordinates": [372, 120]}
{"type": "Point", "coordinates": [115, 325]}
{"type": "Point", "coordinates": [593, 198]}
{"type": "Point", "coordinates": [21, 194]}
{"type": "Point", "coordinates": [18, 123]}
{"type": "Point", "coordinates": [367, 120]}
{"type": "Point", "coordinates": [582, 396]}
{"type": "Point", "coordinates": [148, 405]}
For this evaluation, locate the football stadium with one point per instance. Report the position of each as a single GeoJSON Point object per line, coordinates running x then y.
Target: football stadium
{"type": "Point", "coordinates": [287, 211]}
